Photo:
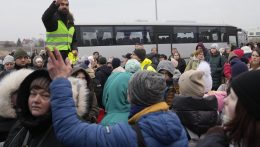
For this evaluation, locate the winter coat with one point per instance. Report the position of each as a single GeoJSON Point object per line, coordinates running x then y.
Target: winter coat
{"type": "Point", "coordinates": [9, 84]}
{"type": "Point", "coordinates": [216, 137]}
{"type": "Point", "coordinates": [160, 128]}
{"type": "Point", "coordinates": [115, 100]}
{"type": "Point", "coordinates": [101, 74]}
{"type": "Point", "coordinates": [91, 107]}
{"type": "Point", "coordinates": [192, 64]}
{"type": "Point", "coordinates": [147, 65]}
{"type": "Point", "coordinates": [196, 114]}
{"type": "Point", "coordinates": [181, 65]}
{"type": "Point", "coordinates": [39, 129]}
{"type": "Point", "coordinates": [216, 65]}
{"type": "Point", "coordinates": [40, 136]}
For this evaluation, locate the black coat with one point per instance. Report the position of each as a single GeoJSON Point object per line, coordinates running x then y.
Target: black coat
{"type": "Point", "coordinates": [196, 114]}
{"type": "Point", "coordinates": [5, 125]}
{"type": "Point", "coordinates": [101, 74]}
{"type": "Point", "coordinates": [181, 65]}
{"type": "Point", "coordinates": [41, 136]}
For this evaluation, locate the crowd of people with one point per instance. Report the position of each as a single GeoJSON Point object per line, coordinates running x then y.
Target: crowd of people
{"type": "Point", "coordinates": [193, 104]}
{"type": "Point", "coordinates": [56, 98]}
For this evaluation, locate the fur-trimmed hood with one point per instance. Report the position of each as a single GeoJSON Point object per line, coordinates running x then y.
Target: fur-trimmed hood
{"type": "Point", "coordinates": [78, 88]}
{"type": "Point", "coordinates": [80, 95]}
{"type": "Point", "coordinates": [9, 84]}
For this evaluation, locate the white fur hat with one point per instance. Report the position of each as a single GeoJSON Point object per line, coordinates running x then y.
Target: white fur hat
{"type": "Point", "coordinates": [205, 68]}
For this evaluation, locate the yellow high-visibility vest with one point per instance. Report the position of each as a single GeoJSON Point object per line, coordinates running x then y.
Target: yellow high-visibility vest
{"type": "Point", "coordinates": [61, 38]}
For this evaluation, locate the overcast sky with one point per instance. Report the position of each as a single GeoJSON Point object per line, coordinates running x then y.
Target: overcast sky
{"type": "Point", "coordinates": [22, 18]}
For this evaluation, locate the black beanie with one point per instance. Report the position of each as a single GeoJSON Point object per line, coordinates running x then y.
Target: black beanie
{"type": "Point", "coordinates": [116, 63]}
{"type": "Point", "coordinates": [247, 91]}
{"type": "Point", "coordinates": [140, 53]}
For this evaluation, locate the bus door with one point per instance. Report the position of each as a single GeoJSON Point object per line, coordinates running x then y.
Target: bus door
{"type": "Point", "coordinates": [164, 43]}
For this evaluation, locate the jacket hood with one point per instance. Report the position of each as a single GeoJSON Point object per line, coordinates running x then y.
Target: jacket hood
{"type": "Point", "coordinates": [79, 95]}
{"type": "Point", "coordinates": [145, 62]}
{"type": "Point", "coordinates": [166, 65]}
{"type": "Point", "coordinates": [9, 84]}
{"type": "Point", "coordinates": [77, 69]}
{"type": "Point", "coordinates": [166, 128]}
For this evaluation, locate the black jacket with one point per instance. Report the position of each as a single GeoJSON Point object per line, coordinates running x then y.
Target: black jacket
{"type": "Point", "coordinates": [181, 65]}
{"type": "Point", "coordinates": [196, 114]}
{"type": "Point", "coordinates": [101, 74]}
{"type": "Point", "coordinates": [5, 126]}
{"type": "Point", "coordinates": [41, 136]}
{"type": "Point", "coordinates": [50, 20]}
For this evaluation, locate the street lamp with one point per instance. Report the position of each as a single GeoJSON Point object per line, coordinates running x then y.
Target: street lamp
{"type": "Point", "coordinates": [156, 14]}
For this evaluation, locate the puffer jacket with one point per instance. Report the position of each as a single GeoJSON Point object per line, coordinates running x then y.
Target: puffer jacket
{"type": "Point", "coordinates": [216, 65]}
{"type": "Point", "coordinates": [196, 114]}
{"type": "Point", "coordinates": [161, 128]}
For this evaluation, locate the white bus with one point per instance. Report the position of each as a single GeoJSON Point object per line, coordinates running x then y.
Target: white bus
{"type": "Point", "coordinates": [118, 39]}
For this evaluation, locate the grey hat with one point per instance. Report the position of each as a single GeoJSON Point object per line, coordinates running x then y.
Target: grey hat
{"type": "Point", "coordinates": [146, 88]}
{"type": "Point", "coordinates": [8, 59]}
{"type": "Point", "coordinates": [166, 65]}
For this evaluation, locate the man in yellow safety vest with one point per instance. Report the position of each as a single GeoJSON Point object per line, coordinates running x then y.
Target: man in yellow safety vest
{"type": "Point", "coordinates": [59, 24]}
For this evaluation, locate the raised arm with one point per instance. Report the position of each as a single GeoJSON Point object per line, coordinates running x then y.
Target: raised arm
{"type": "Point", "coordinates": [49, 19]}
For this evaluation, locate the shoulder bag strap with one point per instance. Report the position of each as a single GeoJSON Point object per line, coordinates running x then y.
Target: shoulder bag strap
{"type": "Point", "coordinates": [140, 138]}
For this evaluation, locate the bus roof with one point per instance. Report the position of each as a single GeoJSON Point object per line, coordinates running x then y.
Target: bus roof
{"type": "Point", "coordinates": [171, 23]}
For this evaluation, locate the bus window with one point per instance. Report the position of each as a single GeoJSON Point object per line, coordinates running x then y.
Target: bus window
{"type": "Point", "coordinates": [148, 37]}
{"type": "Point", "coordinates": [209, 34]}
{"type": "Point", "coordinates": [185, 35]}
{"type": "Point", "coordinates": [96, 36]}
{"type": "Point", "coordinates": [129, 35]}
{"type": "Point", "coordinates": [164, 39]}
{"type": "Point", "coordinates": [232, 40]}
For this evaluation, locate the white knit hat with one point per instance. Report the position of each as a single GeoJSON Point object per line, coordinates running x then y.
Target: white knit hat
{"type": "Point", "coordinates": [8, 59]}
{"type": "Point", "coordinates": [214, 45]}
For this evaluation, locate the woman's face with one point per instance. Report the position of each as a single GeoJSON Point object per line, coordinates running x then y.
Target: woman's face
{"type": "Point", "coordinates": [255, 58]}
{"type": "Point", "coordinates": [39, 102]}
{"type": "Point", "coordinates": [200, 56]}
{"type": "Point", "coordinates": [81, 75]}
{"type": "Point", "coordinates": [176, 56]}
{"type": "Point", "coordinates": [230, 105]}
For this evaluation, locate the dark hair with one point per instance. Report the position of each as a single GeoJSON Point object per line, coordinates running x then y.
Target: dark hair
{"type": "Point", "coordinates": [102, 60]}
{"type": "Point", "coordinates": [179, 54]}
{"type": "Point", "coordinates": [244, 129]}
{"type": "Point", "coordinates": [163, 56]}
{"type": "Point", "coordinates": [95, 53]}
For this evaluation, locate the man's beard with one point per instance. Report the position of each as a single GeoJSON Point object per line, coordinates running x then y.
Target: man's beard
{"type": "Point", "coordinates": [63, 12]}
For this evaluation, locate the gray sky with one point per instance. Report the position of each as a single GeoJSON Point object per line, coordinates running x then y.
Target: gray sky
{"type": "Point", "coordinates": [22, 18]}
